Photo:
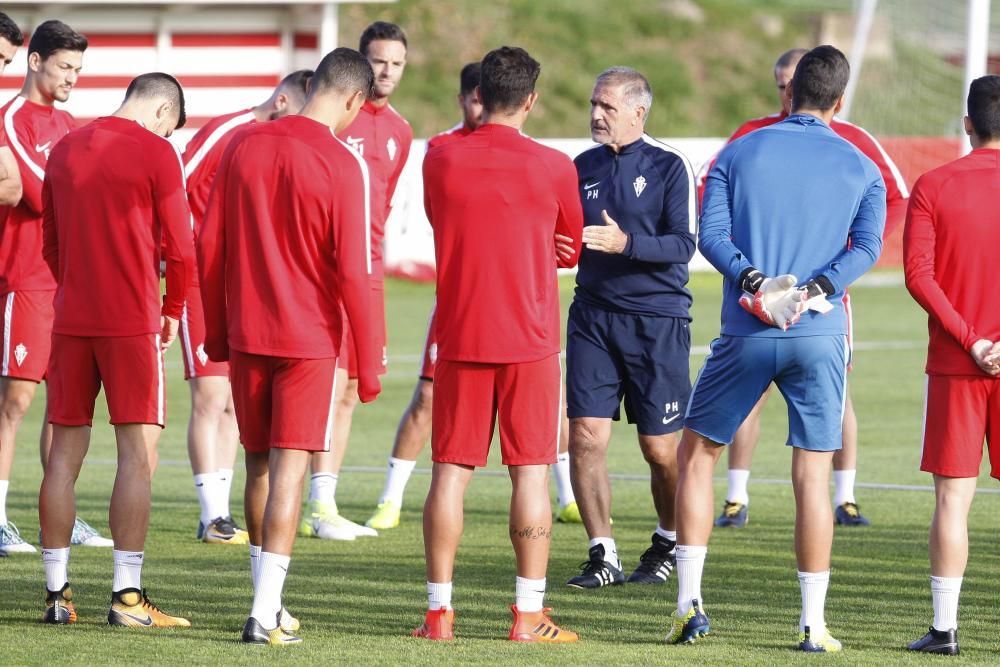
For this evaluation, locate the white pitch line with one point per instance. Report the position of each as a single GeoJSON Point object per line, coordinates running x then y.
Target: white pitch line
{"type": "Point", "coordinates": [622, 477]}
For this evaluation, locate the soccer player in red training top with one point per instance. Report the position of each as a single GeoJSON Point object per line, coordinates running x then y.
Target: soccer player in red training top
{"type": "Point", "coordinates": [845, 461]}
{"type": "Point", "coordinates": [383, 138]}
{"type": "Point", "coordinates": [212, 434]}
{"type": "Point", "coordinates": [32, 126]}
{"type": "Point", "coordinates": [285, 239]}
{"type": "Point", "coordinates": [949, 246]}
{"type": "Point", "coordinates": [11, 37]}
{"type": "Point", "coordinates": [103, 232]}
{"type": "Point", "coordinates": [496, 199]}
{"type": "Point", "coordinates": [415, 425]}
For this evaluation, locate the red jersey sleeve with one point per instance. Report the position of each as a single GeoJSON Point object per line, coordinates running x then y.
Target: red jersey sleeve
{"type": "Point", "coordinates": [174, 216]}
{"type": "Point", "coordinates": [50, 236]}
{"type": "Point", "coordinates": [211, 246]}
{"type": "Point", "coordinates": [896, 192]}
{"type": "Point", "coordinates": [569, 222]}
{"type": "Point", "coordinates": [918, 263]}
{"type": "Point", "coordinates": [352, 239]}
{"type": "Point", "coordinates": [32, 172]}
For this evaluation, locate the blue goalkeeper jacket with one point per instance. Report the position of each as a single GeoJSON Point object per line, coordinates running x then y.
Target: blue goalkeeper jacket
{"type": "Point", "coordinates": [792, 198]}
{"type": "Point", "coordinates": [647, 188]}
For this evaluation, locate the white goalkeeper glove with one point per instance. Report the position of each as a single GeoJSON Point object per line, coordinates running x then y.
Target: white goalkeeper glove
{"type": "Point", "coordinates": [776, 302]}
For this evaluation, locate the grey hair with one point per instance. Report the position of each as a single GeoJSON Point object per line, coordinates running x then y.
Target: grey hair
{"type": "Point", "coordinates": [636, 91]}
{"type": "Point", "coordinates": [789, 58]}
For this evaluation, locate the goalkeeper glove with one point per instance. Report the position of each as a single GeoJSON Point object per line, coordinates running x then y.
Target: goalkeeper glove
{"type": "Point", "coordinates": [776, 302]}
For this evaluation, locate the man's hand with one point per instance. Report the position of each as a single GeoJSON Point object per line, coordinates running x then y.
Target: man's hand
{"type": "Point", "coordinates": [564, 247]}
{"type": "Point", "coordinates": [777, 302]}
{"type": "Point", "coordinates": [369, 387]}
{"type": "Point", "coordinates": [987, 356]}
{"type": "Point", "coordinates": [609, 238]}
{"type": "Point", "coordinates": [168, 332]}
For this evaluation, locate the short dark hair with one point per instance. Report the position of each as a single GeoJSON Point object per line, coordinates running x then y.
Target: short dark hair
{"type": "Point", "coordinates": [789, 57]}
{"type": "Point", "coordinates": [162, 86]}
{"type": "Point", "coordinates": [820, 79]}
{"type": "Point", "coordinates": [343, 70]}
{"type": "Point", "coordinates": [469, 78]}
{"type": "Point", "coordinates": [508, 77]}
{"type": "Point", "coordinates": [10, 31]}
{"type": "Point", "coordinates": [381, 30]}
{"type": "Point", "coordinates": [52, 36]}
{"type": "Point", "coordinates": [984, 107]}
{"type": "Point", "coordinates": [297, 81]}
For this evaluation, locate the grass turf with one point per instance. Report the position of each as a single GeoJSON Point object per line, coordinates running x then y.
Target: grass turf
{"type": "Point", "coordinates": [359, 601]}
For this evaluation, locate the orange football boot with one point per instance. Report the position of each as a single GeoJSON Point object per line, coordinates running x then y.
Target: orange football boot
{"type": "Point", "coordinates": [536, 626]}
{"type": "Point", "coordinates": [439, 625]}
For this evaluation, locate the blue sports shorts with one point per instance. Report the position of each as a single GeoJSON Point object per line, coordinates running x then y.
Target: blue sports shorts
{"type": "Point", "coordinates": [810, 372]}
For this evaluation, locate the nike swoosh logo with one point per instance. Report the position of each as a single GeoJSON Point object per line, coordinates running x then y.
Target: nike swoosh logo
{"type": "Point", "coordinates": [591, 185]}
{"type": "Point", "coordinates": [147, 620]}
{"type": "Point", "coordinates": [667, 421]}
{"type": "Point", "coordinates": [43, 147]}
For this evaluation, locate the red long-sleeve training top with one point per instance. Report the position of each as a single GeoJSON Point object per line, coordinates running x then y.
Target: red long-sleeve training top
{"type": "Point", "coordinates": [949, 244]}
{"type": "Point", "coordinates": [495, 200]}
{"type": "Point", "coordinates": [112, 190]}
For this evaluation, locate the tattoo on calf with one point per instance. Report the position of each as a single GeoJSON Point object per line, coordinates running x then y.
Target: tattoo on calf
{"type": "Point", "coordinates": [532, 533]}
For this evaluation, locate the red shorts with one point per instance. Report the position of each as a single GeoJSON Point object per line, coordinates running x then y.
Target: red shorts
{"type": "Point", "coordinates": [192, 335]}
{"type": "Point", "coordinates": [129, 367]}
{"type": "Point", "coordinates": [347, 352]}
{"type": "Point", "coordinates": [430, 351]}
{"type": "Point", "coordinates": [468, 398]}
{"type": "Point", "coordinates": [961, 411]}
{"type": "Point", "coordinates": [283, 403]}
{"type": "Point", "coordinates": [27, 334]}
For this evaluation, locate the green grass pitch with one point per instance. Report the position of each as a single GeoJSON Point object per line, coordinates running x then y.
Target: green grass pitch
{"type": "Point", "coordinates": [359, 601]}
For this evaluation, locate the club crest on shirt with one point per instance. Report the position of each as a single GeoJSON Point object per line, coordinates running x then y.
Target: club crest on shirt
{"type": "Point", "coordinates": [200, 353]}
{"type": "Point", "coordinates": [20, 352]}
{"type": "Point", "coordinates": [391, 147]}
{"type": "Point", "coordinates": [639, 184]}
{"type": "Point", "coordinates": [357, 143]}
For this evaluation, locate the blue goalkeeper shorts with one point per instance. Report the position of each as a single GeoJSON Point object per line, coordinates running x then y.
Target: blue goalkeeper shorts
{"type": "Point", "coordinates": [810, 372]}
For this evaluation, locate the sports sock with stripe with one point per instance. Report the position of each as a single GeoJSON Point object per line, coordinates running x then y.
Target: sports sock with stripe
{"type": "Point", "coordinates": [128, 570]}
{"type": "Point", "coordinates": [563, 485]}
{"type": "Point", "coordinates": [690, 564]}
{"type": "Point", "coordinates": [56, 562]}
{"type": "Point", "coordinates": [944, 594]}
{"type": "Point", "coordinates": [529, 594]}
{"type": "Point", "coordinates": [397, 475]}
{"type": "Point", "coordinates": [438, 596]}
{"type": "Point", "coordinates": [270, 582]}
{"type": "Point", "coordinates": [813, 586]}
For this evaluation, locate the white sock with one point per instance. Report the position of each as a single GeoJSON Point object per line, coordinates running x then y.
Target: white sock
{"type": "Point", "coordinates": [4, 485]}
{"type": "Point", "coordinates": [438, 596]}
{"type": "Point", "coordinates": [563, 486]}
{"type": "Point", "coordinates": [225, 488]}
{"type": "Point", "coordinates": [128, 570]}
{"type": "Point", "coordinates": [737, 492]}
{"type": "Point", "coordinates": [56, 562]}
{"type": "Point", "coordinates": [528, 594]}
{"type": "Point", "coordinates": [813, 586]}
{"type": "Point", "coordinates": [610, 550]}
{"type": "Point", "coordinates": [666, 534]}
{"type": "Point", "coordinates": [322, 488]}
{"type": "Point", "coordinates": [843, 485]}
{"type": "Point", "coordinates": [397, 474]}
{"type": "Point", "coordinates": [690, 564]}
{"type": "Point", "coordinates": [207, 486]}
{"type": "Point", "coordinates": [254, 565]}
{"type": "Point", "coordinates": [267, 598]}
{"type": "Point", "coordinates": [944, 593]}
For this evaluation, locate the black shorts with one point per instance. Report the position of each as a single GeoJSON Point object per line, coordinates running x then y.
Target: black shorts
{"type": "Point", "coordinates": [642, 359]}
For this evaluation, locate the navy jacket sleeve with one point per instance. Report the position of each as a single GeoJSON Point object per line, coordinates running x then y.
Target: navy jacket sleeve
{"type": "Point", "coordinates": [676, 246]}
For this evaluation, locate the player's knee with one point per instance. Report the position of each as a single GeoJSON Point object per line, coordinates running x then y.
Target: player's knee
{"type": "Point", "coordinates": [423, 402]}
{"type": "Point", "coordinates": [15, 404]}
{"type": "Point", "coordinates": [349, 398]}
{"type": "Point", "coordinates": [586, 439]}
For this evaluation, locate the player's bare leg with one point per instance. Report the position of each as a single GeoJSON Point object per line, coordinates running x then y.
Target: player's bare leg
{"type": "Point", "coordinates": [569, 509]}
{"type": "Point", "coordinates": [411, 437]}
{"type": "Point", "coordinates": [45, 442]}
{"type": "Point", "coordinates": [57, 496]}
{"type": "Point", "coordinates": [813, 537]}
{"type": "Point", "coordinates": [444, 519]}
{"type": "Point", "coordinates": [588, 448]}
{"type": "Point", "coordinates": [660, 452]}
{"type": "Point", "coordinates": [255, 494]}
{"type": "Point", "coordinates": [697, 457]}
{"type": "Point", "coordinates": [845, 468]}
{"type": "Point", "coordinates": [15, 399]}
{"type": "Point", "coordinates": [212, 441]}
{"type": "Point", "coordinates": [735, 512]}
